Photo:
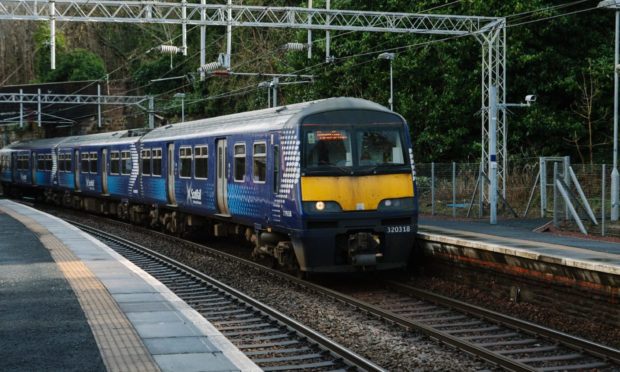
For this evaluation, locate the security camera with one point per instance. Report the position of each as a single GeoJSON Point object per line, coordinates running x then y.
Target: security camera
{"type": "Point", "coordinates": [530, 98]}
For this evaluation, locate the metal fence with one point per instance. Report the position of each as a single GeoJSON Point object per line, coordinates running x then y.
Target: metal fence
{"type": "Point", "coordinates": [453, 189]}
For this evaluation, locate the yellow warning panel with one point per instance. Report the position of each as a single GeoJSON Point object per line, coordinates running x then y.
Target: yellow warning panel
{"type": "Point", "coordinates": [357, 192]}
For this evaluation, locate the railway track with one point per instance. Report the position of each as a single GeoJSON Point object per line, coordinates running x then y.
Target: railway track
{"type": "Point", "coordinates": [509, 342]}
{"type": "Point", "coordinates": [270, 339]}
{"type": "Point", "coordinates": [505, 341]}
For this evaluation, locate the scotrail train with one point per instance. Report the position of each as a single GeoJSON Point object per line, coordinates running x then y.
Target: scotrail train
{"type": "Point", "coordinates": [323, 186]}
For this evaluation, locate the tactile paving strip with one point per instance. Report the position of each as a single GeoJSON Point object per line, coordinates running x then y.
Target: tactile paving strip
{"type": "Point", "coordinates": [120, 346]}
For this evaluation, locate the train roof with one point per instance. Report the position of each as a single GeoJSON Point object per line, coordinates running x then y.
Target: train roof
{"type": "Point", "coordinates": [37, 144]}
{"type": "Point", "coordinates": [262, 120]}
{"type": "Point", "coordinates": [109, 138]}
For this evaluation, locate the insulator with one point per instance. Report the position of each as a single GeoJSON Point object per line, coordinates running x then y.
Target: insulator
{"type": "Point", "coordinates": [295, 46]}
{"type": "Point", "coordinates": [221, 73]}
{"type": "Point", "coordinates": [209, 67]}
{"type": "Point", "coordinates": [169, 49]}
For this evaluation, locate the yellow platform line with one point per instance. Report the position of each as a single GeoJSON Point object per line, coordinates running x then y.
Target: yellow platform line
{"type": "Point", "coordinates": [119, 345]}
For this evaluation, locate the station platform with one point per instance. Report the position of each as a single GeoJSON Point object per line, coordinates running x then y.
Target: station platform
{"type": "Point", "coordinates": [69, 302]}
{"type": "Point", "coordinates": [519, 249]}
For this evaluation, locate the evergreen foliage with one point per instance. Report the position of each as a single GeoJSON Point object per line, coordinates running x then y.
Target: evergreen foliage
{"type": "Point", "coordinates": [565, 59]}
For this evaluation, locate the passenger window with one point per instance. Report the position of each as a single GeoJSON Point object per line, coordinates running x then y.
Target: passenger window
{"type": "Point", "coordinates": [40, 162]}
{"type": "Point", "coordinates": [260, 162]}
{"type": "Point", "coordinates": [201, 164]}
{"type": "Point", "coordinates": [68, 162]}
{"type": "Point", "coordinates": [125, 162]}
{"type": "Point", "coordinates": [114, 162]}
{"type": "Point", "coordinates": [185, 156]}
{"type": "Point", "coordinates": [85, 162]}
{"type": "Point", "coordinates": [48, 162]}
{"type": "Point", "coordinates": [61, 162]}
{"type": "Point", "coordinates": [239, 162]}
{"type": "Point", "coordinates": [156, 162]}
{"type": "Point", "coordinates": [146, 162]}
{"type": "Point", "coordinates": [93, 162]}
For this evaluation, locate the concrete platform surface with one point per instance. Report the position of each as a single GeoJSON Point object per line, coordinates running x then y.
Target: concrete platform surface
{"type": "Point", "coordinates": [70, 302]}
{"type": "Point", "coordinates": [518, 238]}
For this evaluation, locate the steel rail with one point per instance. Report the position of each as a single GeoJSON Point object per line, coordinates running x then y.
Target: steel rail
{"type": "Point", "coordinates": [570, 341]}
{"type": "Point", "coordinates": [333, 347]}
{"type": "Point", "coordinates": [573, 342]}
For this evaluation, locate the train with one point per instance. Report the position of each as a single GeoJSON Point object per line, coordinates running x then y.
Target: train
{"type": "Point", "coordinates": [321, 186]}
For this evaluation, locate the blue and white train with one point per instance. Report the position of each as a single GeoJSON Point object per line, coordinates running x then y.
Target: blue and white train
{"type": "Point", "coordinates": [323, 186]}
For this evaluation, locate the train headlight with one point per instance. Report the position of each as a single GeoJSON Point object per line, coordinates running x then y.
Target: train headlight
{"type": "Point", "coordinates": [397, 204]}
{"type": "Point", "coordinates": [321, 207]}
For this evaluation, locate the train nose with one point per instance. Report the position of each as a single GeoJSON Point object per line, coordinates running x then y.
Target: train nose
{"type": "Point", "coordinates": [363, 249]}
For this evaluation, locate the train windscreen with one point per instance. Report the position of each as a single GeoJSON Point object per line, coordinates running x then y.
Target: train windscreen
{"type": "Point", "coordinates": [367, 142]}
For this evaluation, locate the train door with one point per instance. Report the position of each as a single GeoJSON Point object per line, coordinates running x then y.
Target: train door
{"type": "Point", "coordinates": [222, 179]}
{"type": "Point", "coordinates": [33, 168]}
{"type": "Point", "coordinates": [76, 169]}
{"type": "Point", "coordinates": [104, 171]}
{"type": "Point", "coordinates": [171, 192]}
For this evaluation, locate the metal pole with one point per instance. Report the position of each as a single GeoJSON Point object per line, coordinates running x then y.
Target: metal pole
{"type": "Point", "coordinates": [566, 165]}
{"type": "Point", "coordinates": [21, 108]}
{"type": "Point", "coordinates": [309, 32]}
{"type": "Point", "coordinates": [203, 39]}
{"type": "Point", "coordinates": [432, 188]}
{"type": "Point", "coordinates": [99, 105]}
{"type": "Point", "coordinates": [327, 35]}
{"type": "Point", "coordinates": [481, 186]}
{"type": "Point", "coordinates": [603, 201]}
{"type": "Point", "coordinates": [151, 112]}
{"type": "Point", "coordinates": [183, 109]}
{"type": "Point", "coordinates": [184, 26]}
{"type": "Point", "coordinates": [274, 85]}
{"type": "Point", "coordinates": [543, 187]}
{"type": "Point", "coordinates": [39, 106]}
{"type": "Point", "coordinates": [269, 97]}
{"type": "Point", "coordinates": [615, 176]}
{"type": "Point", "coordinates": [493, 154]}
{"type": "Point", "coordinates": [391, 87]}
{"type": "Point", "coordinates": [453, 189]}
{"type": "Point", "coordinates": [555, 194]}
{"type": "Point", "coordinates": [52, 35]}
{"type": "Point", "coordinates": [229, 35]}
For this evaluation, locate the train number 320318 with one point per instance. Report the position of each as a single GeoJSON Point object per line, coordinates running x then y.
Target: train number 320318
{"type": "Point", "coordinates": [398, 229]}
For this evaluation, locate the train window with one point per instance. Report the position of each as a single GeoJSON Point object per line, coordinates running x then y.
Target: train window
{"type": "Point", "coordinates": [328, 147]}
{"type": "Point", "coordinates": [146, 162]}
{"type": "Point", "coordinates": [156, 162]}
{"type": "Point", "coordinates": [276, 168]}
{"type": "Point", "coordinates": [379, 147]}
{"type": "Point", "coordinates": [93, 162]}
{"type": "Point", "coordinates": [125, 162]}
{"type": "Point", "coordinates": [61, 162]}
{"type": "Point", "coordinates": [68, 162]}
{"type": "Point", "coordinates": [40, 162]}
{"type": "Point", "coordinates": [48, 162]}
{"type": "Point", "coordinates": [85, 162]}
{"type": "Point", "coordinates": [201, 164]}
{"type": "Point", "coordinates": [260, 162]}
{"type": "Point", "coordinates": [115, 158]}
{"type": "Point", "coordinates": [22, 162]}
{"type": "Point", "coordinates": [239, 162]}
{"type": "Point", "coordinates": [185, 156]}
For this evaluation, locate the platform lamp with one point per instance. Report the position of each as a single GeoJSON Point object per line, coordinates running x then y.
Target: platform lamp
{"type": "Point", "coordinates": [390, 57]}
{"type": "Point", "coordinates": [182, 97]}
{"type": "Point", "coordinates": [615, 177]}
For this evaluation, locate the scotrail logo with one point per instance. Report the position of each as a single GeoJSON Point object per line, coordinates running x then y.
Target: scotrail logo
{"type": "Point", "coordinates": [194, 196]}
